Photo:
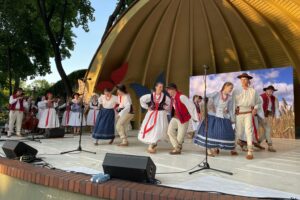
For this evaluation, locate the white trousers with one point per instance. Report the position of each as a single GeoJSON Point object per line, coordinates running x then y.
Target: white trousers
{"type": "Point", "coordinates": [244, 125]}
{"type": "Point", "coordinates": [15, 117]}
{"type": "Point", "coordinates": [122, 124]}
{"type": "Point", "coordinates": [176, 132]}
{"type": "Point", "coordinates": [266, 124]}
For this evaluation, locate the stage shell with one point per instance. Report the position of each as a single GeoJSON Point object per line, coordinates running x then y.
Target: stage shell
{"type": "Point", "coordinates": [177, 37]}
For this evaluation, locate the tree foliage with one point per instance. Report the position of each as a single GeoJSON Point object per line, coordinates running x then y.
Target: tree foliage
{"type": "Point", "coordinates": [59, 17]}
{"type": "Point", "coordinates": [24, 50]}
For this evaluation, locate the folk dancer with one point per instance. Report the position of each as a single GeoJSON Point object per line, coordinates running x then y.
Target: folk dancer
{"type": "Point", "coordinates": [270, 107]}
{"type": "Point", "coordinates": [155, 124]}
{"type": "Point", "coordinates": [93, 111]}
{"type": "Point", "coordinates": [182, 111]}
{"type": "Point", "coordinates": [194, 125]}
{"type": "Point", "coordinates": [76, 114]}
{"type": "Point", "coordinates": [49, 118]}
{"type": "Point", "coordinates": [246, 103]}
{"type": "Point", "coordinates": [220, 134]}
{"type": "Point", "coordinates": [67, 114]}
{"type": "Point", "coordinates": [125, 113]}
{"type": "Point", "coordinates": [105, 123]}
{"type": "Point", "coordinates": [16, 112]}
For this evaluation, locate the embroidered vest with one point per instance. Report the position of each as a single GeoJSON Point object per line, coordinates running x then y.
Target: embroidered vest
{"type": "Point", "coordinates": [161, 104]}
{"type": "Point", "coordinates": [180, 111]}
{"type": "Point", "coordinates": [266, 102]}
{"type": "Point", "coordinates": [13, 106]}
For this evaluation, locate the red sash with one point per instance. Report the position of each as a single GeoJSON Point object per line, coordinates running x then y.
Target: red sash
{"type": "Point", "coordinates": [153, 113]}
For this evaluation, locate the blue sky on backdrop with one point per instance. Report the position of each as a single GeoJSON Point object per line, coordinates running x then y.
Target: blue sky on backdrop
{"type": "Point", "coordinates": [86, 43]}
{"type": "Point", "coordinates": [281, 78]}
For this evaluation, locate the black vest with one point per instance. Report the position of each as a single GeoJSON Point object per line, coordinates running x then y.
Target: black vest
{"type": "Point", "coordinates": [151, 104]}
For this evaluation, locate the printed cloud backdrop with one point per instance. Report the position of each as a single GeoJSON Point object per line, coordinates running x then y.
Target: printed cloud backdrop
{"type": "Point", "coordinates": [280, 78]}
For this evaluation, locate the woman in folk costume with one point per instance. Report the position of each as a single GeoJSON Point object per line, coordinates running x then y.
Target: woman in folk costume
{"type": "Point", "coordinates": [41, 106]}
{"type": "Point", "coordinates": [155, 125]}
{"type": "Point", "coordinates": [93, 111]}
{"type": "Point", "coordinates": [76, 114]}
{"type": "Point", "coordinates": [49, 117]}
{"type": "Point", "coordinates": [67, 113]}
{"type": "Point", "coordinates": [105, 123]}
{"type": "Point", "coordinates": [194, 125]}
{"type": "Point", "coordinates": [220, 134]}
{"type": "Point", "coordinates": [125, 113]}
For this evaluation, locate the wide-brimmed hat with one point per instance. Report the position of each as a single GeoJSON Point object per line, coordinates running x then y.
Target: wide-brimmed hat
{"type": "Point", "coordinates": [76, 93]}
{"type": "Point", "coordinates": [122, 88]}
{"type": "Point", "coordinates": [172, 86]}
{"type": "Point", "coordinates": [245, 75]}
{"type": "Point", "coordinates": [270, 87]}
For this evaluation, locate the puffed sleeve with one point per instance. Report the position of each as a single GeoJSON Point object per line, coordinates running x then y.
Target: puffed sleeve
{"type": "Point", "coordinates": [144, 100]}
{"type": "Point", "coordinates": [190, 106]}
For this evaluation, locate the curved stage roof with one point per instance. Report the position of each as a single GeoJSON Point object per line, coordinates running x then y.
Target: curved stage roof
{"type": "Point", "coordinates": [178, 36]}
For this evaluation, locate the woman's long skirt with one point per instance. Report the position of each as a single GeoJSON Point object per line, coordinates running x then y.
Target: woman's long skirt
{"type": "Point", "coordinates": [105, 125]}
{"type": "Point", "coordinates": [220, 134]}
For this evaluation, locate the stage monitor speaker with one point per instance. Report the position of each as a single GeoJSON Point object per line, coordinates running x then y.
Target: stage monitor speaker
{"type": "Point", "coordinates": [129, 167]}
{"type": "Point", "coordinates": [14, 149]}
{"type": "Point", "coordinates": [54, 133]}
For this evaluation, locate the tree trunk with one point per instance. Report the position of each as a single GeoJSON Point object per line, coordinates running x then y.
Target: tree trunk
{"type": "Point", "coordinates": [17, 83]}
{"type": "Point", "coordinates": [61, 70]}
{"type": "Point", "coordinates": [55, 44]}
{"type": "Point", "coordinates": [9, 70]}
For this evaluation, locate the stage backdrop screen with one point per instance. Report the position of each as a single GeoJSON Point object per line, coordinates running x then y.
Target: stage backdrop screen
{"type": "Point", "coordinates": [280, 78]}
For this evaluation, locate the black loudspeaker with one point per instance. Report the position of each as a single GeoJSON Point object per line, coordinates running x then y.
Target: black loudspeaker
{"type": "Point", "coordinates": [54, 133]}
{"type": "Point", "coordinates": [14, 149]}
{"type": "Point", "coordinates": [129, 167]}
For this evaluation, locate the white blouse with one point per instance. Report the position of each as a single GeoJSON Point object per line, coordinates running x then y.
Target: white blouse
{"type": "Point", "coordinates": [124, 103]}
{"type": "Point", "coordinates": [108, 103]}
{"type": "Point", "coordinates": [144, 100]}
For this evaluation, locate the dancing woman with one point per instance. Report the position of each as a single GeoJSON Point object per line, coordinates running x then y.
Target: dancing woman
{"type": "Point", "coordinates": [93, 111]}
{"type": "Point", "coordinates": [155, 125]}
{"type": "Point", "coordinates": [76, 113]}
{"type": "Point", "coordinates": [220, 134]}
{"type": "Point", "coordinates": [49, 118]}
{"type": "Point", "coordinates": [105, 123]}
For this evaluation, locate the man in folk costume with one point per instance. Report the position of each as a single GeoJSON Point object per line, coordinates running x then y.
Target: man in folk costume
{"type": "Point", "coordinates": [182, 111]}
{"type": "Point", "coordinates": [155, 125]}
{"type": "Point", "coordinates": [125, 114]}
{"type": "Point", "coordinates": [16, 112]}
{"type": "Point", "coordinates": [270, 107]}
{"type": "Point", "coordinates": [246, 103]}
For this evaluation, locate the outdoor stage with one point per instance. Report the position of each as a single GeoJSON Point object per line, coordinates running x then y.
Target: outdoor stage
{"type": "Point", "coordinates": [268, 175]}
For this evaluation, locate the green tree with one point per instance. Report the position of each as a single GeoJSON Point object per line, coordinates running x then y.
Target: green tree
{"type": "Point", "coordinates": [59, 17]}
{"type": "Point", "coordinates": [37, 88]}
{"type": "Point", "coordinates": [24, 50]}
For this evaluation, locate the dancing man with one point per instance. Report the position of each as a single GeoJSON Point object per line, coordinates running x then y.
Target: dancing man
{"type": "Point", "coordinates": [182, 111]}
{"type": "Point", "coordinates": [220, 134]}
{"type": "Point", "coordinates": [155, 125]}
{"type": "Point", "coordinates": [125, 113]}
{"type": "Point", "coordinates": [271, 109]}
{"type": "Point", "coordinates": [16, 112]}
{"type": "Point", "coordinates": [105, 122]}
{"type": "Point", "coordinates": [246, 103]}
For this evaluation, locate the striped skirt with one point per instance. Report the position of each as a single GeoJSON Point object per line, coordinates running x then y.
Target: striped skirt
{"type": "Point", "coordinates": [220, 134]}
{"type": "Point", "coordinates": [105, 125]}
